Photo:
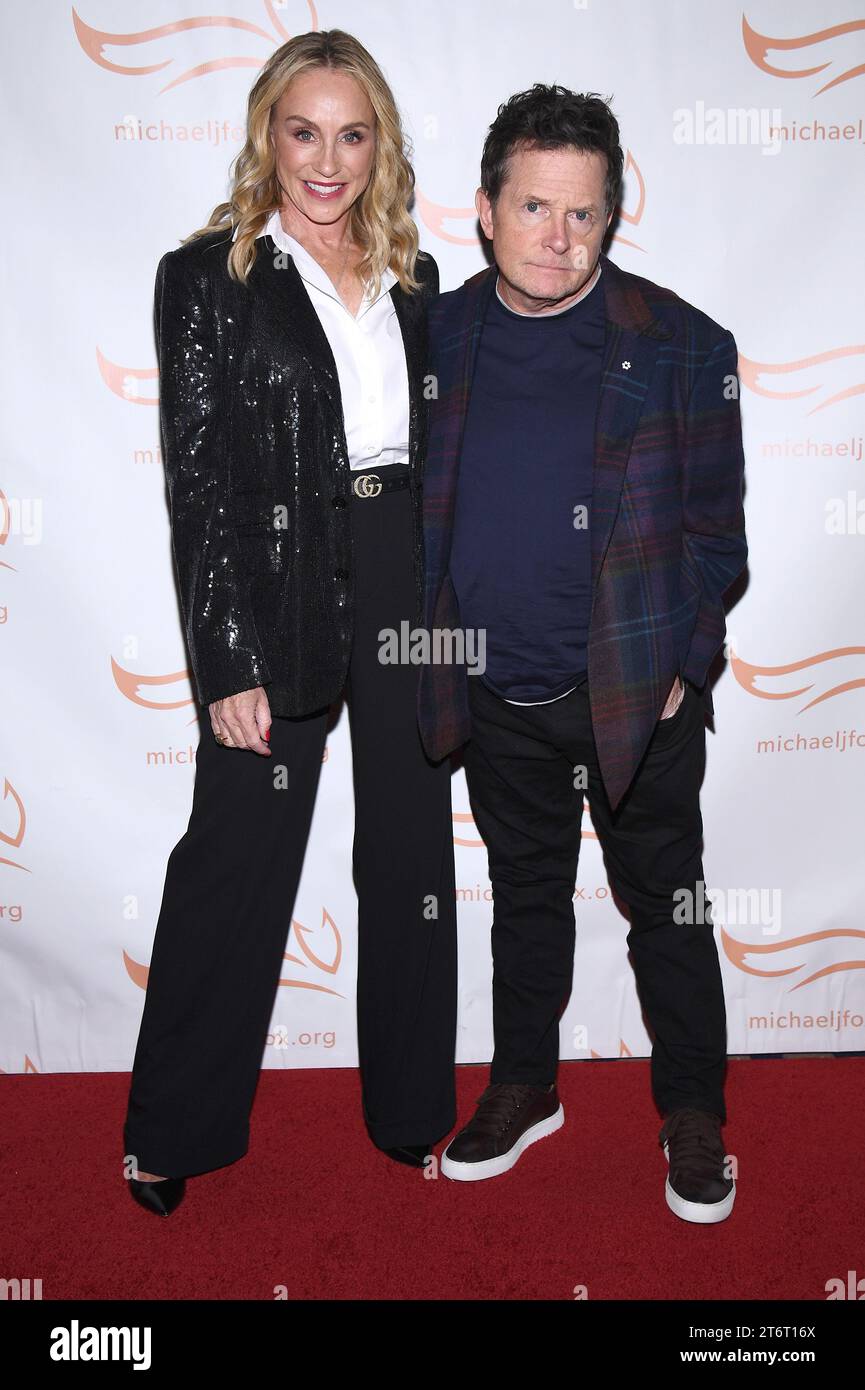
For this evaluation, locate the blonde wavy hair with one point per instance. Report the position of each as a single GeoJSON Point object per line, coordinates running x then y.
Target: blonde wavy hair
{"type": "Point", "coordinates": [379, 219]}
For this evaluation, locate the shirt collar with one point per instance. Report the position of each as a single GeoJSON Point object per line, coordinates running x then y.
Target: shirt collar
{"type": "Point", "coordinates": [308, 267]}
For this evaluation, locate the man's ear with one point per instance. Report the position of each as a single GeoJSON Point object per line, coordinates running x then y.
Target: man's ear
{"type": "Point", "coordinates": [485, 213]}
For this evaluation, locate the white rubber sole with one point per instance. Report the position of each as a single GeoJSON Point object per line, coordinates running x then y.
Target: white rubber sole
{"type": "Point", "coordinates": [492, 1167]}
{"type": "Point", "coordinates": [702, 1213]}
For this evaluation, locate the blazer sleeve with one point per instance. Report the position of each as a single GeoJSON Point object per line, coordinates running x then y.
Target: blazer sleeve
{"type": "Point", "coordinates": [713, 513]}
{"type": "Point", "coordinates": [224, 648]}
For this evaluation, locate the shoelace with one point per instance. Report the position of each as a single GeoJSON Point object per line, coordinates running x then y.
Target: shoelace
{"type": "Point", "coordinates": [698, 1148]}
{"type": "Point", "coordinates": [498, 1107]}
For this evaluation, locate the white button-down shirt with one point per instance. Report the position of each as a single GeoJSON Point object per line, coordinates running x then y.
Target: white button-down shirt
{"type": "Point", "coordinates": [369, 355]}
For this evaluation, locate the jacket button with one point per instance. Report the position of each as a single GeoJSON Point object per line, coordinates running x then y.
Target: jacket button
{"type": "Point", "coordinates": [340, 575]}
{"type": "Point", "coordinates": [337, 501]}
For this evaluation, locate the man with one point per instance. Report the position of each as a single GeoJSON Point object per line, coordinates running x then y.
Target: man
{"type": "Point", "coordinates": [583, 511]}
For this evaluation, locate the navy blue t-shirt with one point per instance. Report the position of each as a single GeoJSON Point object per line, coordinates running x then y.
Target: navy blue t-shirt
{"type": "Point", "coordinates": [520, 567]}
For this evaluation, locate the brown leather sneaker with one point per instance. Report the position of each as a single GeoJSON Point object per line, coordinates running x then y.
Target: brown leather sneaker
{"type": "Point", "coordinates": [508, 1119]}
{"type": "Point", "coordinates": [697, 1187]}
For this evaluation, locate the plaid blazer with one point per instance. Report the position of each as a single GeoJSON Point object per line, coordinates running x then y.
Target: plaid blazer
{"type": "Point", "coordinates": [666, 521]}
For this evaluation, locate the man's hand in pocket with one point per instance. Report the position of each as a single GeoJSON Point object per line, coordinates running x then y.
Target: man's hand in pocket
{"type": "Point", "coordinates": [674, 699]}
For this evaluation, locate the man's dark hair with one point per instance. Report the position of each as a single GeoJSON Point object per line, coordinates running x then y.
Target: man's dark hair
{"type": "Point", "coordinates": [552, 118]}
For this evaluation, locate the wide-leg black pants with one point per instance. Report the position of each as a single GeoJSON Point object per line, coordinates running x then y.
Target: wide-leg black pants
{"type": "Point", "coordinates": [229, 894]}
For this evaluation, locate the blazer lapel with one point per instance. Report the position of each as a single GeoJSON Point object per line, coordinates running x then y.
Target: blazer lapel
{"type": "Point", "coordinates": [478, 290]}
{"type": "Point", "coordinates": [631, 345]}
{"type": "Point", "coordinates": [414, 341]}
{"type": "Point", "coordinates": [296, 319]}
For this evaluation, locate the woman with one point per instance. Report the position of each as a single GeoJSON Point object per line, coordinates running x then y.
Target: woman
{"type": "Point", "coordinates": [291, 337]}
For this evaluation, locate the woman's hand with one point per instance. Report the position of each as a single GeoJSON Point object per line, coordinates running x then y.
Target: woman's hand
{"type": "Point", "coordinates": [242, 720]}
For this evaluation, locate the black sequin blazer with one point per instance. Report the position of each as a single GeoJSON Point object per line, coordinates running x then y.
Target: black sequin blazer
{"type": "Point", "coordinates": [253, 435]}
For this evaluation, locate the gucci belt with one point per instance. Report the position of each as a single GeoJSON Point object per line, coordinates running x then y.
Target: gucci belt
{"type": "Point", "coordinates": [372, 484]}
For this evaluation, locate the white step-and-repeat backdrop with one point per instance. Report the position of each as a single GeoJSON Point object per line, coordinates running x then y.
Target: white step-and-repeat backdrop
{"type": "Point", "coordinates": [743, 130]}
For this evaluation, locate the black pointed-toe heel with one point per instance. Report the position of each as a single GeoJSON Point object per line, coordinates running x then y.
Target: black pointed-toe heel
{"type": "Point", "coordinates": [414, 1155]}
{"type": "Point", "coordinates": [161, 1197]}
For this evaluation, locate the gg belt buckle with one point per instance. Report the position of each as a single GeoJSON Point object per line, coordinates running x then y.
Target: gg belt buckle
{"type": "Point", "coordinates": [367, 485]}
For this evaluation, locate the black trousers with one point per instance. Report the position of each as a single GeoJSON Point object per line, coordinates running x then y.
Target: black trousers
{"type": "Point", "coordinates": [521, 768]}
{"type": "Point", "coordinates": [229, 893]}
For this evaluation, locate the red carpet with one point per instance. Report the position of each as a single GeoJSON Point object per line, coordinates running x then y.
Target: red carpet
{"type": "Point", "coordinates": [315, 1208]}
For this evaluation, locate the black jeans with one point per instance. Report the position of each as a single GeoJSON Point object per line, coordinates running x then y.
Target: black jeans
{"type": "Point", "coordinates": [521, 767]}
{"type": "Point", "coordinates": [229, 893]}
